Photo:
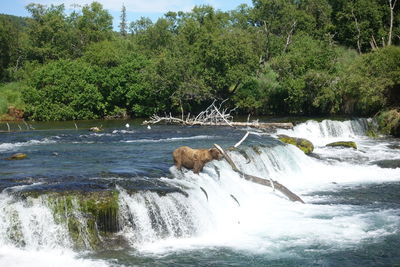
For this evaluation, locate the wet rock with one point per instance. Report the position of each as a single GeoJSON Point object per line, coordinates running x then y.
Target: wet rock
{"type": "Point", "coordinates": [17, 156]}
{"type": "Point", "coordinates": [394, 146]}
{"type": "Point", "coordinates": [388, 163]}
{"type": "Point", "coordinates": [303, 144]}
{"type": "Point", "coordinates": [95, 129]}
{"type": "Point", "coordinates": [349, 144]}
{"type": "Point", "coordinates": [316, 156]}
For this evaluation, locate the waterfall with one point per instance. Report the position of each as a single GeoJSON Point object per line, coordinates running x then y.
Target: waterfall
{"type": "Point", "coordinates": [219, 208]}
{"type": "Point", "coordinates": [329, 130]}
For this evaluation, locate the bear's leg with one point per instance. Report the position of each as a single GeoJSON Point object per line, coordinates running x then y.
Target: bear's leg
{"type": "Point", "coordinates": [198, 166]}
{"type": "Point", "coordinates": [178, 165]}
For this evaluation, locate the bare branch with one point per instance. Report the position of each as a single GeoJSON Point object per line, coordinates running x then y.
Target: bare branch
{"type": "Point", "coordinates": [214, 116]}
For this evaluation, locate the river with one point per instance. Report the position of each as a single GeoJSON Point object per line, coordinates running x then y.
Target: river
{"type": "Point", "coordinates": [165, 217]}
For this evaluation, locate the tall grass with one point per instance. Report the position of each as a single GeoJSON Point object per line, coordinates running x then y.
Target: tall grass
{"type": "Point", "coordinates": [11, 95]}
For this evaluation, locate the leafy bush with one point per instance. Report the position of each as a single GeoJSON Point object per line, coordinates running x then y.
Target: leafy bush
{"type": "Point", "coordinates": [10, 95]}
{"type": "Point", "coordinates": [373, 81]}
{"type": "Point", "coordinates": [389, 122]}
{"type": "Point", "coordinates": [64, 90]}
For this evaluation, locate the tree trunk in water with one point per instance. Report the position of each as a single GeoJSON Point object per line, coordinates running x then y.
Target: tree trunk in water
{"type": "Point", "coordinates": [274, 184]}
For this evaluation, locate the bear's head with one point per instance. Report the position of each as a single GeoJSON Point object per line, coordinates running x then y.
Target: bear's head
{"type": "Point", "coordinates": [215, 153]}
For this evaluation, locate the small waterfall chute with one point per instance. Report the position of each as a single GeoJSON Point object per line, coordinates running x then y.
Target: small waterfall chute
{"type": "Point", "coordinates": [274, 184]}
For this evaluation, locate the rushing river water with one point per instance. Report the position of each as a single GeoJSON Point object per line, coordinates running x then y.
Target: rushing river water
{"type": "Point", "coordinates": [169, 218]}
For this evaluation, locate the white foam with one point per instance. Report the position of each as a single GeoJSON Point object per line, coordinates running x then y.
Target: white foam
{"type": "Point", "coordinates": [12, 256]}
{"type": "Point", "coordinates": [326, 131]}
{"type": "Point", "coordinates": [173, 139]}
{"type": "Point", "coordinates": [265, 222]}
{"type": "Point", "coordinates": [123, 131]}
{"type": "Point", "coordinates": [15, 146]}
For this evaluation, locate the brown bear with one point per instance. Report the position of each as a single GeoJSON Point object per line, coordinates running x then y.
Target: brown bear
{"type": "Point", "coordinates": [194, 158]}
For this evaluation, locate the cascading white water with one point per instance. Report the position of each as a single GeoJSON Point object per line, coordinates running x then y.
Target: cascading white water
{"type": "Point", "coordinates": [329, 130]}
{"type": "Point", "coordinates": [30, 236]}
{"type": "Point", "coordinates": [230, 212]}
{"type": "Point", "coordinates": [237, 213]}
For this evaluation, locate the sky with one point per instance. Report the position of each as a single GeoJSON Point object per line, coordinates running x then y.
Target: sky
{"type": "Point", "coordinates": [135, 8]}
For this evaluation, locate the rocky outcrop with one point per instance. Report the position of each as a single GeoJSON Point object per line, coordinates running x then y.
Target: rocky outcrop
{"type": "Point", "coordinates": [303, 144]}
{"type": "Point", "coordinates": [349, 144]}
{"type": "Point", "coordinates": [90, 212]}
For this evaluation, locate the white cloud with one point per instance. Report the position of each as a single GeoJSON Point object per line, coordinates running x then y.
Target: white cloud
{"type": "Point", "coordinates": [139, 6]}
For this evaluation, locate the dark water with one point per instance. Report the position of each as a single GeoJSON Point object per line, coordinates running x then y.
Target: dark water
{"type": "Point", "coordinates": [61, 157]}
{"type": "Point", "coordinates": [68, 155]}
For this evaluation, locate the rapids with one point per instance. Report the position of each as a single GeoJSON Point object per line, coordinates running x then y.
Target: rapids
{"type": "Point", "coordinates": [168, 217]}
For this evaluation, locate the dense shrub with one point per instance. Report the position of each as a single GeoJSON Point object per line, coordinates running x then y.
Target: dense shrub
{"type": "Point", "coordinates": [64, 90]}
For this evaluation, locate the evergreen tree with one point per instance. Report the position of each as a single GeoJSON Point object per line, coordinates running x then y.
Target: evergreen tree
{"type": "Point", "coordinates": [122, 24]}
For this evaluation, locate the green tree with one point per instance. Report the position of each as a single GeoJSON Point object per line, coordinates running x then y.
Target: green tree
{"type": "Point", "coordinates": [64, 90]}
{"type": "Point", "coordinates": [49, 33]}
{"type": "Point", "coordinates": [94, 24]}
{"type": "Point", "coordinates": [12, 42]}
{"type": "Point", "coordinates": [358, 23]}
{"type": "Point", "coordinates": [140, 26]}
{"type": "Point", "coordinates": [304, 71]}
{"type": "Point", "coordinates": [123, 23]}
{"type": "Point", "coordinates": [373, 82]}
{"type": "Point", "coordinates": [120, 70]}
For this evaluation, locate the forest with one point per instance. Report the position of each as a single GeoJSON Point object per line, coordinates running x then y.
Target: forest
{"type": "Point", "coordinates": [276, 57]}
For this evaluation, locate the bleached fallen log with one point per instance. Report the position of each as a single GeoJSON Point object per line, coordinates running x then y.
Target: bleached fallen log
{"type": "Point", "coordinates": [257, 125]}
{"type": "Point", "coordinates": [214, 116]}
{"type": "Point", "coordinates": [274, 184]}
{"type": "Point", "coordinates": [242, 140]}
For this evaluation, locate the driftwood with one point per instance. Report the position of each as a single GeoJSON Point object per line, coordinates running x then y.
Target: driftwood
{"type": "Point", "coordinates": [214, 116]}
{"type": "Point", "coordinates": [274, 184]}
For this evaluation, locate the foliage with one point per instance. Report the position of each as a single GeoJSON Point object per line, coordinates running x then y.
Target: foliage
{"type": "Point", "coordinates": [10, 95]}
{"type": "Point", "coordinates": [373, 81]}
{"type": "Point", "coordinates": [304, 71]}
{"type": "Point", "coordinates": [276, 57]}
{"type": "Point", "coordinates": [389, 122]}
{"type": "Point", "coordinates": [12, 42]}
{"type": "Point", "coordinates": [64, 90]}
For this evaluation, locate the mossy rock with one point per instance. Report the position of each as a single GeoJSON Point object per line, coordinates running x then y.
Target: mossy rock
{"type": "Point", "coordinates": [388, 163]}
{"type": "Point", "coordinates": [394, 146]}
{"type": "Point", "coordinates": [90, 217]}
{"type": "Point", "coordinates": [17, 156]}
{"type": "Point", "coordinates": [349, 144]}
{"type": "Point", "coordinates": [303, 144]}
{"type": "Point", "coordinates": [389, 122]}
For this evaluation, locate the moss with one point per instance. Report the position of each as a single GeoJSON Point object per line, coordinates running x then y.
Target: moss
{"type": "Point", "coordinates": [372, 133]}
{"type": "Point", "coordinates": [303, 144]}
{"type": "Point", "coordinates": [90, 216]}
{"type": "Point", "coordinates": [14, 232]}
{"type": "Point", "coordinates": [389, 122]}
{"type": "Point", "coordinates": [349, 144]}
